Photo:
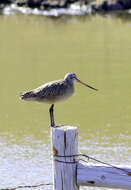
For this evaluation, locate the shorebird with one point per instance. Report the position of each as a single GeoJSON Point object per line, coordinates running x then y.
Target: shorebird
{"type": "Point", "coordinates": [53, 92]}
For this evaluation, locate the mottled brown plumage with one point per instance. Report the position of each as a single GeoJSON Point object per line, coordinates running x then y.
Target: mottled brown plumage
{"type": "Point", "coordinates": [54, 91]}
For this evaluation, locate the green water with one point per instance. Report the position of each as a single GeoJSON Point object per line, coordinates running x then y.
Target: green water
{"type": "Point", "coordinates": [35, 50]}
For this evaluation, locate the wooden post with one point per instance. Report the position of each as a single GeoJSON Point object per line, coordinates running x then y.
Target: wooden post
{"type": "Point", "coordinates": [64, 143]}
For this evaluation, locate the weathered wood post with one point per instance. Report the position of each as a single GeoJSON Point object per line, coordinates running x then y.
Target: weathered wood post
{"type": "Point", "coordinates": [64, 143]}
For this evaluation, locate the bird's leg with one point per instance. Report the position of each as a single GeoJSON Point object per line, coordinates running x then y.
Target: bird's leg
{"type": "Point", "coordinates": [52, 115]}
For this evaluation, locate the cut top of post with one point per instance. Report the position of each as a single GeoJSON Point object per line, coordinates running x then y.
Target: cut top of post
{"type": "Point", "coordinates": [64, 127]}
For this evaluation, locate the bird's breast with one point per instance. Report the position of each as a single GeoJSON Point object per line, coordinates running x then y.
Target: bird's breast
{"type": "Point", "coordinates": [63, 93]}
{"type": "Point", "coordinates": [67, 93]}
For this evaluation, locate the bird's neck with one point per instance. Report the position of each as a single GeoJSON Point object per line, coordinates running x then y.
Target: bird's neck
{"type": "Point", "coordinates": [69, 82]}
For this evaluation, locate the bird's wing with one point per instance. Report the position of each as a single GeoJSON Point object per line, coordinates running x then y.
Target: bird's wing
{"type": "Point", "coordinates": [50, 90]}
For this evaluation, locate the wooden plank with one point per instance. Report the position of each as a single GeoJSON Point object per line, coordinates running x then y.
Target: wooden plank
{"type": "Point", "coordinates": [64, 143]}
{"type": "Point", "coordinates": [101, 176]}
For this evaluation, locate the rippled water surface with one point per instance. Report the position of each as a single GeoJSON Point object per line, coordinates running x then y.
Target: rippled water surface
{"type": "Point", "coordinates": [34, 50]}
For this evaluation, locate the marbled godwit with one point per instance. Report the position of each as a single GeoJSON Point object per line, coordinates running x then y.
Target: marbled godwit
{"type": "Point", "coordinates": [53, 92]}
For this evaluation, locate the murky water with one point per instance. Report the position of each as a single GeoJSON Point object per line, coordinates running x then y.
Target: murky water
{"type": "Point", "coordinates": [34, 50]}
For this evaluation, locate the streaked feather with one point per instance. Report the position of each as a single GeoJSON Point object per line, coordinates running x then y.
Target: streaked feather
{"type": "Point", "coordinates": [51, 92]}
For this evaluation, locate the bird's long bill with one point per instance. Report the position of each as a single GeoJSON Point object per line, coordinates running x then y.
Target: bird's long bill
{"type": "Point", "coordinates": [86, 84]}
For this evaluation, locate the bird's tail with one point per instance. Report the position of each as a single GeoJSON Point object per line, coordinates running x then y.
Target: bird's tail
{"type": "Point", "coordinates": [28, 95]}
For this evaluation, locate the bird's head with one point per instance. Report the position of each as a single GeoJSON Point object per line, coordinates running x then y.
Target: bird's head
{"type": "Point", "coordinates": [72, 77]}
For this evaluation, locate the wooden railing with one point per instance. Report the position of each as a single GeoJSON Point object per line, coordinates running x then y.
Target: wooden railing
{"type": "Point", "coordinates": [70, 173]}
